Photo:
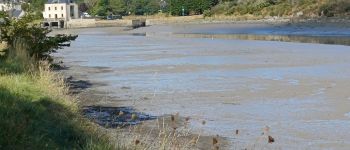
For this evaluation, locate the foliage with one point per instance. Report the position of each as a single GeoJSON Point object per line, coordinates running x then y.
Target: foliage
{"type": "Point", "coordinates": [207, 13]}
{"type": "Point", "coordinates": [177, 7]}
{"type": "Point", "coordinates": [124, 7]}
{"type": "Point", "coordinates": [150, 7]}
{"type": "Point", "coordinates": [118, 7]}
{"type": "Point", "coordinates": [34, 38]}
{"type": "Point", "coordinates": [333, 8]}
{"type": "Point", "coordinates": [36, 7]}
{"type": "Point", "coordinates": [327, 8]}
{"type": "Point", "coordinates": [102, 8]}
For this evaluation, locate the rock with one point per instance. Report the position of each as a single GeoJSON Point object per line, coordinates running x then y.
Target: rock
{"type": "Point", "coordinates": [271, 139]}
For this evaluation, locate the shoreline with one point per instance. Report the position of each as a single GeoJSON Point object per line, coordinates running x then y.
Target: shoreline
{"type": "Point", "coordinates": [136, 21]}
{"type": "Point", "coordinates": [154, 129]}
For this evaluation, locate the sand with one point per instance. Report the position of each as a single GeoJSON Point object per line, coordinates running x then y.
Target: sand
{"type": "Point", "coordinates": [298, 90]}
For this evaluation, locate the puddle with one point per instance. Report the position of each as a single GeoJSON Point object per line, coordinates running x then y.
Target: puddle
{"type": "Point", "coordinates": [111, 117]}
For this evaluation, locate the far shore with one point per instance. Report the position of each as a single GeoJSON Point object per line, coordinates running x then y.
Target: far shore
{"type": "Point", "coordinates": [129, 21]}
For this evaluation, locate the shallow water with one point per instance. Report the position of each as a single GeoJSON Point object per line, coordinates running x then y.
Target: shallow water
{"type": "Point", "coordinates": [328, 39]}
{"type": "Point", "coordinates": [299, 90]}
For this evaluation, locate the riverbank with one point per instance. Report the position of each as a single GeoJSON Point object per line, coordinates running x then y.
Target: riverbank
{"type": "Point", "coordinates": [142, 21]}
{"type": "Point", "coordinates": [38, 113]}
{"type": "Point", "coordinates": [239, 19]}
{"type": "Point", "coordinates": [313, 28]}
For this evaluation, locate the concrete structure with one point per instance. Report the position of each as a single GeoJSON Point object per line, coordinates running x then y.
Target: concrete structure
{"type": "Point", "coordinates": [58, 12]}
{"type": "Point", "coordinates": [91, 23]}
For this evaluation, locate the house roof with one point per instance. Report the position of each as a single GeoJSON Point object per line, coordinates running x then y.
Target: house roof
{"type": "Point", "coordinates": [59, 1]}
{"type": "Point", "coordinates": [17, 13]}
{"type": "Point", "coordinates": [10, 1]}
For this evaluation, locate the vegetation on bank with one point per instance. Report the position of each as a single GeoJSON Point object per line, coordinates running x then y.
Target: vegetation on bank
{"type": "Point", "coordinates": [133, 7]}
{"type": "Point", "coordinates": [298, 8]}
{"type": "Point", "coordinates": [36, 110]}
{"type": "Point", "coordinates": [37, 113]}
{"type": "Point", "coordinates": [238, 8]}
{"type": "Point", "coordinates": [146, 7]}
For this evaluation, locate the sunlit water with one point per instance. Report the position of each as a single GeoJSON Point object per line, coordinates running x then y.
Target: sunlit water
{"type": "Point", "coordinates": [329, 39]}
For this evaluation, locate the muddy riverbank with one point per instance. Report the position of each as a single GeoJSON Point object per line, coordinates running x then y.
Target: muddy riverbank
{"type": "Point", "coordinates": [296, 91]}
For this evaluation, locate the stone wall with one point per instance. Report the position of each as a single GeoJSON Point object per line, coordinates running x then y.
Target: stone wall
{"type": "Point", "coordinates": [87, 23]}
{"type": "Point", "coordinates": [173, 20]}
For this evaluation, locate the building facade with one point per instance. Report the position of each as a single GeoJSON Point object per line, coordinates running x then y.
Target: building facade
{"type": "Point", "coordinates": [64, 10]}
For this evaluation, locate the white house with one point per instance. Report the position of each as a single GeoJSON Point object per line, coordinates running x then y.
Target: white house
{"type": "Point", "coordinates": [63, 10]}
{"type": "Point", "coordinates": [5, 5]}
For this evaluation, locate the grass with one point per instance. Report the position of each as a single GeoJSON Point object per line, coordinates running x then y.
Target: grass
{"type": "Point", "coordinates": [38, 113]}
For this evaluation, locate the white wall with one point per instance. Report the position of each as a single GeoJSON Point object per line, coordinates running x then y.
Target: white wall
{"type": "Point", "coordinates": [5, 7]}
{"type": "Point", "coordinates": [50, 13]}
{"type": "Point", "coordinates": [51, 10]}
{"type": "Point", "coordinates": [75, 9]}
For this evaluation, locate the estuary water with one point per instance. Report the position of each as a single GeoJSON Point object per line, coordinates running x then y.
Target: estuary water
{"type": "Point", "coordinates": [296, 86]}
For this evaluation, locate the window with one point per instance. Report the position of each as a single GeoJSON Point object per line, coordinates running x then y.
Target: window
{"type": "Point", "coordinates": [55, 8]}
{"type": "Point", "coordinates": [55, 16]}
{"type": "Point", "coordinates": [49, 15]}
{"type": "Point", "coordinates": [61, 7]}
{"type": "Point", "coordinates": [49, 8]}
{"type": "Point", "coordinates": [62, 15]}
{"type": "Point", "coordinates": [72, 11]}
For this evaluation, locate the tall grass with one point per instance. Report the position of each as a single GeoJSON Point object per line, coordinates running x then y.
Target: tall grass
{"type": "Point", "coordinates": [36, 111]}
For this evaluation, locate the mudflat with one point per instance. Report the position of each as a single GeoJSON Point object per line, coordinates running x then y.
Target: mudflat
{"type": "Point", "coordinates": [295, 92]}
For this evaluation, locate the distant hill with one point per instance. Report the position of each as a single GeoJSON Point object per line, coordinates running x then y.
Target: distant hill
{"type": "Point", "coordinates": [301, 8]}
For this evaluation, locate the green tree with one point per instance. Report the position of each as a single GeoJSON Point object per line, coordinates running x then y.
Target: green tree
{"type": "Point", "coordinates": [190, 7]}
{"type": "Point", "coordinates": [101, 8]}
{"type": "Point", "coordinates": [35, 38]}
{"type": "Point", "coordinates": [118, 7]}
{"type": "Point", "coordinates": [152, 7]}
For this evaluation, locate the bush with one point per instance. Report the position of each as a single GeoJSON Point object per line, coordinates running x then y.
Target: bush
{"type": "Point", "coordinates": [33, 38]}
{"type": "Point", "coordinates": [207, 13]}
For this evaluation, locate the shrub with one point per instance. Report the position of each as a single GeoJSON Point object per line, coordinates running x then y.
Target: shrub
{"type": "Point", "coordinates": [33, 37]}
{"type": "Point", "coordinates": [207, 13]}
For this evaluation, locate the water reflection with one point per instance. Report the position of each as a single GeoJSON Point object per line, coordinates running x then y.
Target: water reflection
{"type": "Point", "coordinates": [334, 40]}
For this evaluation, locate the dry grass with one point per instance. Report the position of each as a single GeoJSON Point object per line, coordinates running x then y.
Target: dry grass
{"type": "Point", "coordinates": [38, 113]}
{"type": "Point", "coordinates": [166, 133]}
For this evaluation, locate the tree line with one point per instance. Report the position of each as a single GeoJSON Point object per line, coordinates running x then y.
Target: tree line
{"type": "Point", "coordinates": [146, 7]}
{"type": "Point", "coordinates": [136, 7]}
